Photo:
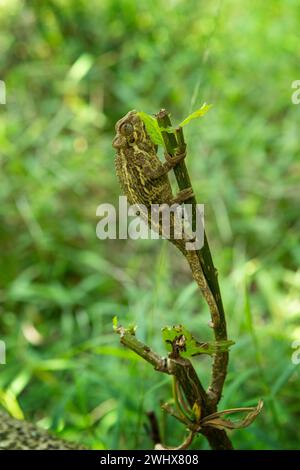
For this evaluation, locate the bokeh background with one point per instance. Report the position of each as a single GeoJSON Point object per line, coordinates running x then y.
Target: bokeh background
{"type": "Point", "coordinates": [72, 68]}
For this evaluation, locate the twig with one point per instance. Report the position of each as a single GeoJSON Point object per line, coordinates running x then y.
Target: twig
{"type": "Point", "coordinates": [130, 341]}
{"type": "Point", "coordinates": [184, 445]}
{"type": "Point", "coordinates": [154, 427]}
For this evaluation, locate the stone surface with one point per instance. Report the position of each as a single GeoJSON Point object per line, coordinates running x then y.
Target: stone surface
{"type": "Point", "coordinates": [21, 435]}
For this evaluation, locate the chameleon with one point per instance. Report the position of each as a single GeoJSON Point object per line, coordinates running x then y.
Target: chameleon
{"type": "Point", "coordinates": [144, 180]}
{"type": "Point", "coordinates": [142, 176]}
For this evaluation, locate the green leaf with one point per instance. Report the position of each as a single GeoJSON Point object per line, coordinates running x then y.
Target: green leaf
{"type": "Point", "coordinates": [196, 410]}
{"type": "Point", "coordinates": [81, 67]}
{"type": "Point", "coordinates": [155, 132]}
{"type": "Point", "coordinates": [131, 329]}
{"type": "Point", "coordinates": [196, 114]}
{"type": "Point", "coordinates": [115, 322]}
{"type": "Point", "coordinates": [9, 401]}
{"type": "Point", "coordinates": [178, 337]}
{"type": "Point", "coordinates": [152, 128]}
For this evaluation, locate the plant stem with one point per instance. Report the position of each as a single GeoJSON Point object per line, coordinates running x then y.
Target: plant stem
{"type": "Point", "coordinates": [175, 142]}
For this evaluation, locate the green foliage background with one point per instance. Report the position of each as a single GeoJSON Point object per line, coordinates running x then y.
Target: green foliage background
{"type": "Point", "coordinates": [72, 68]}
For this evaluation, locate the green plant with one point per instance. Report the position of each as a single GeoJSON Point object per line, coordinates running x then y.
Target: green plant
{"type": "Point", "coordinates": [195, 407]}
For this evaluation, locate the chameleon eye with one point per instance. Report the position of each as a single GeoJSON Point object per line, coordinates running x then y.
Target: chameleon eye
{"type": "Point", "coordinates": [127, 128]}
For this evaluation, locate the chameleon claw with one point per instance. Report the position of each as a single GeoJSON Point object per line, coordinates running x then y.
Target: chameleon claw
{"type": "Point", "coordinates": [183, 196]}
{"type": "Point", "coordinates": [175, 159]}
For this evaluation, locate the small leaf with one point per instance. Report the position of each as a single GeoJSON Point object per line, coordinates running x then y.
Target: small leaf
{"type": "Point", "coordinates": [196, 411]}
{"type": "Point", "coordinates": [180, 339]}
{"type": "Point", "coordinates": [212, 347]}
{"type": "Point", "coordinates": [152, 128]}
{"type": "Point", "coordinates": [196, 114]}
{"type": "Point", "coordinates": [10, 402]}
{"type": "Point", "coordinates": [131, 329]}
{"type": "Point", "coordinates": [81, 67]}
{"type": "Point", "coordinates": [115, 322]}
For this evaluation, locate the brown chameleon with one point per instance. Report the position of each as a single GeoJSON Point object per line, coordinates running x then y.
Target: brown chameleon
{"type": "Point", "coordinates": [144, 180]}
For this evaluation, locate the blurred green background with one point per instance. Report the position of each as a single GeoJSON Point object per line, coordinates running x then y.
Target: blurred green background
{"type": "Point", "coordinates": [72, 68]}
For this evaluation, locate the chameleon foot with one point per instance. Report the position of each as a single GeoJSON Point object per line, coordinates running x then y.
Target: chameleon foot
{"type": "Point", "coordinates": [183, 196]}
{"type": "Point", "coordinates": [173, 160]}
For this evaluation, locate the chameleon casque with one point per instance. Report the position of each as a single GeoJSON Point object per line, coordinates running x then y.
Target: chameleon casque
{"type": "Point", "coordinates": [144, 180]}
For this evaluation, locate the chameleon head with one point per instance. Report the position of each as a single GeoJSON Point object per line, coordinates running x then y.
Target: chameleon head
{"type": "Point", "coordinates": [131, 132]}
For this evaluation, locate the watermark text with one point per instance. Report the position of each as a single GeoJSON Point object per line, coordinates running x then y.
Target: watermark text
{"type": "Point", "coordinates": [2, 352]}
{"type": "Point", "coordinates": [2, 92]}
{"type": "Point", "coordinates": [172, 222]}
{"type": "Point", "coordinates": [296, 94]}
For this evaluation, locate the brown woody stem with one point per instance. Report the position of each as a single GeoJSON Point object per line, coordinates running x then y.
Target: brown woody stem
{"type": "Point", "coordinates": [175, 142]}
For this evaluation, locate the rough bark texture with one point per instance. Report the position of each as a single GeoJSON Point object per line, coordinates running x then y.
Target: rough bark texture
{"type": "Point", "coordinates": [21, 435]}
